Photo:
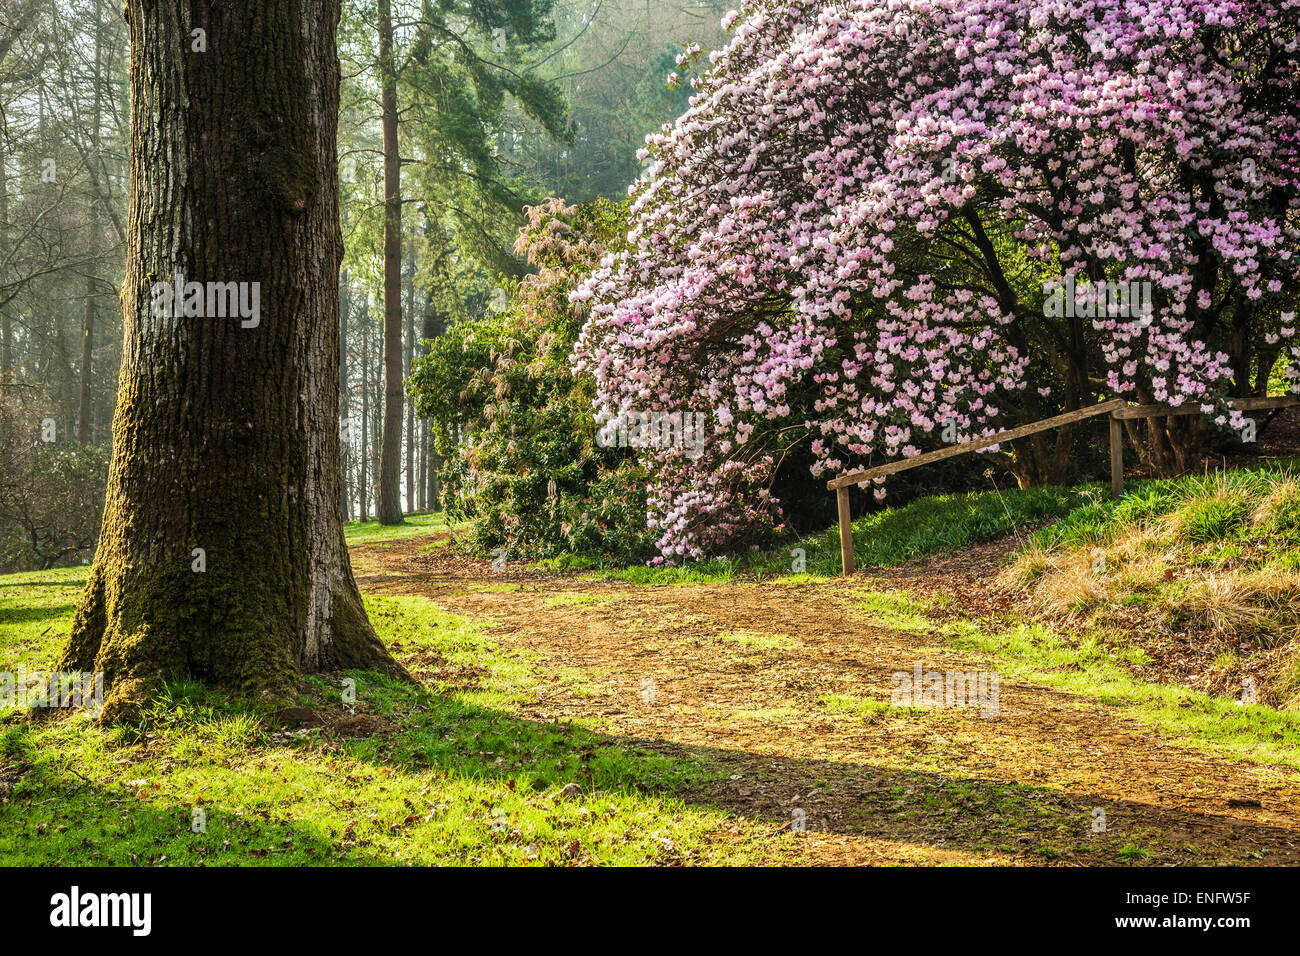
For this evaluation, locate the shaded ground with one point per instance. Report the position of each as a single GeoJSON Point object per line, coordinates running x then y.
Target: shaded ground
{"type": "Point", "coordinates": [788, 687]}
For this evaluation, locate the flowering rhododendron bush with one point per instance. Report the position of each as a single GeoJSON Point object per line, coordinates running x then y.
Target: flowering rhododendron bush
{"type": "Point", "coordinates": [842, 251]}
{"type": "Point", "coordinates": [521, 454]}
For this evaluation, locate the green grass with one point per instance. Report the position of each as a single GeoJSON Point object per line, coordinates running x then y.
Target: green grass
{"type": "Point", "coordinates": [868, 708]}
{"type": "Point", "coordinates": [1131, 852]}
{"type": "Point", "coordinates": [35, 612]}
{"type": "Point", "coordinates": [1093, 668]}
{"type": "Point", "coordinates": [1216, 555]}
{"type": "Point", "coordinates": [1211, 508]}
{"type": "Point", "coordinates": [462, 777]}
{"type": "Point", "coordinates": [372, 532]}
{"type": "Point", "coordinates": [942, 524]}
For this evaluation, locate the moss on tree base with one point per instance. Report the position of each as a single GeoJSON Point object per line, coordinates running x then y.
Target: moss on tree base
{"type": "Point", "coordinates": [221, 555]}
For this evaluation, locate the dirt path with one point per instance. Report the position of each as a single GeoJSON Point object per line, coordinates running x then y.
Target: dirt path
{"type": "Point", "coordinates": [783, 685]}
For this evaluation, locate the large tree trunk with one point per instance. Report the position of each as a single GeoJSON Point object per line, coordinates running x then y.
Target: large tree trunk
{"type": "Point", "coordinates": [390, 453]}
{"type": "Point", "coordinates": [225, 436]}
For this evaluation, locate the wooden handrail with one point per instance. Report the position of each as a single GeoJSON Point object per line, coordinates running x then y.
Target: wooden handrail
{"type": "Point", "coordinates": [1119, 410]}
{"type": "Point", "coordinates": [1130, 412]}
{"type": "Point", "coordinates": [1193, 408]}
{"type": "Point", "coordinates": [1011, 434]}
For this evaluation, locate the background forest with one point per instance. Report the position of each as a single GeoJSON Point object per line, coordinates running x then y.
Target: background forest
{"type": "Point", "coordinates": [489, 109]}
{"type": "Point", "coordinates": [560, 212]}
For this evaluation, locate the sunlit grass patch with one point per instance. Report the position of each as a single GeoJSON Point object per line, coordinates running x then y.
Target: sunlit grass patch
{"type": "Point", "coordinates": [1100, 669]}
{"type": "Point", "coordinates": [448, 772]}
{"type": "Point", "coordinates": [1217, 555]}
{"type": "Point", "coordinates": [702, 572]}
{"type": "Point", "coordinates": [867, 708]}
{"type": "Point", "coordinates": [372, 532]}
{"type": "Point", "coordinates": [35, 614]}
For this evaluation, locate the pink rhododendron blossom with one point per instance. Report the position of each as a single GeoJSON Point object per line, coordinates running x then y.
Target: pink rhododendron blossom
{"type": "Point", "coordinates": [841, 246]}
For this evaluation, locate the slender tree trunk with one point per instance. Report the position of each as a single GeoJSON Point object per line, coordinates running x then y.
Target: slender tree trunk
{"type": "Point", "coordinates": [68, 385]}
{"type": "Point", "coordinates": [376, 426]}
{"type": "Point", "coordinates": [421, 481]}
{"type": "Point", "coordinates": [410, 354]}
{"type": "Point", "coordinates": [87, 360]}
{"type": "Point", "coordinates": [88, 315]}
{"type": "Point", "coordinates": [345, 412]}
{"type": "Point", "coordinates": [6, 328]}
{"type": "Point", "coordinates": [433, 327]}
{"type": "Point", "coordinates": [363, 484]}
{"type": "Point", "coordinates": [435, 478]}
{"type": "Point", "coordinates": [390, 453]}
{"type": "Point", "coordinates": [233, 179]}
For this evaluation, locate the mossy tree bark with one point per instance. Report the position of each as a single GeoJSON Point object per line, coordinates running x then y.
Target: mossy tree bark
{"type": "Point", "coordinates": [225, 436]}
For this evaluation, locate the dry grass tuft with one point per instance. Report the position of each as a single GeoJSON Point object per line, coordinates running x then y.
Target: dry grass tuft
{"type": "Point", "coordinates": [1204, 563]}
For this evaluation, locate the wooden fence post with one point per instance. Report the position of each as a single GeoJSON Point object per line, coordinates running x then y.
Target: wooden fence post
{"type": "Point", "coordinates": [1116, 457]}
{"type": "Point", "coordinates": [846, 530]}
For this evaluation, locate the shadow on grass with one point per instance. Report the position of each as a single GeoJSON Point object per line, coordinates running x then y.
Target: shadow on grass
{"type": "Point", "coordinates": [319, 799]}
{"type": "Point", "coordinates": [33, 615]}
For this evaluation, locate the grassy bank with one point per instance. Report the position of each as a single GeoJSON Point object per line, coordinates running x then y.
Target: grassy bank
{"type": "Point", "coordinates": [1212, 559]}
